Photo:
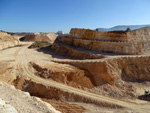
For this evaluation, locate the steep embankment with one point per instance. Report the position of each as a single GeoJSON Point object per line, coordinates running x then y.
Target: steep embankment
{"type": "Point", "coordinates": [121, 42]}
{"type": "Point", "coordinates": [73, 53]}
{"type": "Point", "coordinates": [114, 69]}
{"type": "Point", "coordinates": [63, 73]}
{"type": "Point", "coordinates": [116, 76]}
{"type": "Point", "coordinates": [7, 40]}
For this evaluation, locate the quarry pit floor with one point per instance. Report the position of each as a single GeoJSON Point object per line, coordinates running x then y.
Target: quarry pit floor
{"type": "Point", "coordinates": [20, 56]}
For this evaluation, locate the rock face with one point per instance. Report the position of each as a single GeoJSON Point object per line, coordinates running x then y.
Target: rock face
{"type": "Point", "coordinates": [102, 46]}
{"type": "Point", "coordinates": [95, 35]}
{"type": "Point", "coordinates": [22, 102]}
{"type": "Point", "coordinates": [48, 37]}
{"type": "Point", "coordinates": [64, 73]}
{"type": "Point", "coordinates": [121, 42]}
{"type": "Point", "coordinates": [7, 40]}
{"type": "Point", "coordinates": [113, 71]}
{"type": "Point", "coordinates": [142, 34]}
{"type": "Point", "coordinates": [67, 51]}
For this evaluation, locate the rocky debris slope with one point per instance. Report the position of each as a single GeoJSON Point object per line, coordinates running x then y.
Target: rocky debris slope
{"type": "Point", "coordinates": [47, 37]}
{"type": "Point", "coordinates": [6, 40]}
{"type": "Point", "coordinates": [23, 102]}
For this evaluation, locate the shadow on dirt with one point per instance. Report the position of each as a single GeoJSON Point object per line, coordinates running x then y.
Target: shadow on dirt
{"type": "Point", "coordinates": [20, 45]}
{"type": "Point", "coordinates": [47, 50]}
{"type": "Point", "coordinates": [144, 97]}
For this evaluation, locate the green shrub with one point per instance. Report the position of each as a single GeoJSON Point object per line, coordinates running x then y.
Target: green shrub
{"type": "Point", "coordinates": [128, 29]}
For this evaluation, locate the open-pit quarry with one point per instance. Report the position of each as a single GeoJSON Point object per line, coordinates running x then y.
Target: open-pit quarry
{"type": "Point", "coordinates": [84, 72]}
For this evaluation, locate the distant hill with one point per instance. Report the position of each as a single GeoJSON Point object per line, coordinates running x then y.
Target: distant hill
{"type": "Point", "coordinates": [122, 27]}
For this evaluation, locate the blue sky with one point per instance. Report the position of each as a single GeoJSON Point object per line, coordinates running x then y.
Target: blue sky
{"type": "Point", "coordinates": [55, 15]}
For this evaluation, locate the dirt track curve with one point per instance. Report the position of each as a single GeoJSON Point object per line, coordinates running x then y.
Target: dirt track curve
{"type": "Point", "coordinates": [22, 58]}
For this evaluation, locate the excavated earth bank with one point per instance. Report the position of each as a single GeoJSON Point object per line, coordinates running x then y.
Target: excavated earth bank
{"type": "Point", "coordinates": [48, 37]}
{"type": "Point", "coordinates": [64, 73]}
{"type": "Point", "coordinates": [114, 77]}
{"type": "Point", "coordinates": [6, 40]}
{"type": "Point", "coordinates": [74, 54]}
{"type": "Point", "coordinates": [111, 70]}
{"type": "Point", "coordinates": [43, 91]}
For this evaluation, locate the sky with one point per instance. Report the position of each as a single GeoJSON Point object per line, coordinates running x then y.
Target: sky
{"type": "Point", "coordinates": [56, 15]}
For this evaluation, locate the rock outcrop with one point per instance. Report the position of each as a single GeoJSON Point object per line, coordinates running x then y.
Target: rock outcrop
{"type": "Point", "coordinates": [103, 46]}
{"type": "Point", "coordinates": [113, 71]}
{"type": "Point", "coordinates": [75, 54]}
{"type": "Point", "coordinates": [97, 35]}
{"type": "Point", "coordinates": [6, 40]}
{"type": "Point", "coordinates": [142, 34]}
{"type": "Point", "coordinates": [121, 42]}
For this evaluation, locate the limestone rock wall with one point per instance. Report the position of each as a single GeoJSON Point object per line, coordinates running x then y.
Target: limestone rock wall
{"type": "Point", "coordinates": [7, 40]}
{"type": "Point", "coordinates": [142, 34]}
{"type": "Point", "coordinates": [139, 35]}
{"type": "Point", "coordinates": [96, 35]}
{"type": "Point", "coordinates": [69, 52]}
{"type": "Point", "coordinates": [121, 42]}
{"type": "Point", "coordinates": [113, 70]}
{"type": "Point", "coordinates": [104, 46]}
